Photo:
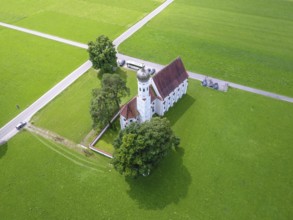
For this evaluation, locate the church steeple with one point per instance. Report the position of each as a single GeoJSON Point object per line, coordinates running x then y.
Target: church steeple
{"type": "Point", "coordinates": [143, 98]}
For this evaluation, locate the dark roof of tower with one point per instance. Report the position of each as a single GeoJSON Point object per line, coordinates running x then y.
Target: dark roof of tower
{"type": "Point", "coordinates": [143, 75]}
{"type": "Point", "coordinates": [130, 110]}
{"type": "Point", "coordinates": [170, 77]}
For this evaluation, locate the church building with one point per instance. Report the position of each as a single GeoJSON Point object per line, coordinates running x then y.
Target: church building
{"type": "Point", "coordinates": [155, 94]}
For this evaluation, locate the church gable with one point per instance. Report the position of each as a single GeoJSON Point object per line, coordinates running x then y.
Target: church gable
{"type": "Point", "coordinates": [130, 110]}
{"type": "Point", "coordinates": [170, 77]}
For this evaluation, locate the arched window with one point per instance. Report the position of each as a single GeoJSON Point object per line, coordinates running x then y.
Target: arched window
{"type": "Point", "coordinates": [143, 90]}
{"type": "Point", "coordinates": [139, 89]}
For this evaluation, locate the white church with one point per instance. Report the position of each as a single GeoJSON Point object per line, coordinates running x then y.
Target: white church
{"type": "Point", "coordinates": [155, 94]}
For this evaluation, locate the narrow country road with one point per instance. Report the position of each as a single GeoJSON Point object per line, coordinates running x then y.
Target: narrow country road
{"type": "Point", "coordinates": [9, 130]}
{"type": "Point", "coordinates": [43, 35]}
{"type": "Point", "coordinates": [200, 77]}
{"type": "Point", "coordinates": [140, 24]}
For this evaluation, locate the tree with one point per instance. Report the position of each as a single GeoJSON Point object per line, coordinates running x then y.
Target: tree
{"type": "Point", "coordinates": [115, 87]}
{"type": "Point", "coordinates": [106, 100]}
{"type": "Point", "coordinates": [102, 53]}
{"type": "Point", "coordinates": [140, 147]}
{"type": "Point", "coordinates": [102, 108]}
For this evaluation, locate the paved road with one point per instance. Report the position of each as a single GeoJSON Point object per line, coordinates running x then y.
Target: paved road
{"type": "Point", "coordinates": [48, 36]}
{"type": "Point", "coordinates": [140, 24]}
{"type": "Point", "coordinates": [200, 77]}
{"type": "Point", "coordinates": [9, 129]}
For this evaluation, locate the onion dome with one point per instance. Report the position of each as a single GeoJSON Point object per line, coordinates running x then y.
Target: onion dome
{"type": "Point", "coordinates": [143, 75]}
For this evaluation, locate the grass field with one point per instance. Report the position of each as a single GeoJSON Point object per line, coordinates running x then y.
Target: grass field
{"type": "Point", "coordinates": [235, 160]}
{"type": "Point", "coordinates": [247, 42]}
{"type": "Point", "coordinates": [81, 21]}
{"type": "Point", "coordinates": [29, 67]}
{"type": "Point", "coordinates": [68, 114]}
{"type": "Point", "coordinates": [235, 163]}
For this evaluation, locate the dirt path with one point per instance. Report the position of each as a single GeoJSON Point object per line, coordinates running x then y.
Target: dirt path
{"type": "Point", "coordinates": [54, 137]}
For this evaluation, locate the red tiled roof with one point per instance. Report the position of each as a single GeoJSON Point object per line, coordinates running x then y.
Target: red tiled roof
{"type": "Point", "coordinates": [170, 77]}
{"type": "Point", "coordinates": [129, 110]}
{"type": "Point", "coordinates": [152, 93]}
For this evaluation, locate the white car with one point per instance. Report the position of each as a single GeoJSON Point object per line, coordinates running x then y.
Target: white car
{"type": "Point", "coordinates": [20, 125]}
{"type": "Point", "coordinates": [120, 62]}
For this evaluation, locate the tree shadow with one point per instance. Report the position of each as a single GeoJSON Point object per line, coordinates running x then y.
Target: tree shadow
{"type": "Point", "coordinates": [121, 72]}
{"type": "Point", "coordinates": [3, 148]}
{"type": "Point", "coordinates": [179, 108]}
{"type": "Point", "coordinates": [167, 184]}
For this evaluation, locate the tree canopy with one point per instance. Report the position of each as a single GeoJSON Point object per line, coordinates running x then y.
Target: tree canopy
{"type": "Point", "coordinates": [140, 147]}
{"type": "Point", "coordinates": [106, 100]}
{"type": "Point", "coordinates": [115, 87]}
{"type": "Point", "coordinates": [102, 53]}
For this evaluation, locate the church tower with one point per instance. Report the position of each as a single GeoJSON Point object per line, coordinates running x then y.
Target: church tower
{"type": "Point", "coordinates": [143, 98]}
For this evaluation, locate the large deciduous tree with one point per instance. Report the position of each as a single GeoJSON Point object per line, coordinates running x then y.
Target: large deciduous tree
{"type": "Point", "coordinates": [102, 108]}
{"type": "Point", "coordinates": [115, 87]}
{"type": "Point", "coordinates": [140, 147]}
{"type": "Point", "coordinates": [106, 100]}
{"type": "Point", "coordinates": [102, 53]}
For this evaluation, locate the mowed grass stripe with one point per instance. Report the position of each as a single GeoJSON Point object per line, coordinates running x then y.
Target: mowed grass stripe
{"type": "Point", "coordinates": [63, 150]}
{"type": "Point", "coordinates": [242, 46]}
{"type": "Point", "coordinates": [66, 154]}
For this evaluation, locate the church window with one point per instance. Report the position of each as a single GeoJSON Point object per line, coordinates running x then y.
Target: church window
{"type": "Point", "coordinates": [143, 90]}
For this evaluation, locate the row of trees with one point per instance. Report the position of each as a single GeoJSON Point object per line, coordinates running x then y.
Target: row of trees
{"type": "Point", "coordinates": [106, 100]}
{"type": "Point", "coordinates": [139, 147]}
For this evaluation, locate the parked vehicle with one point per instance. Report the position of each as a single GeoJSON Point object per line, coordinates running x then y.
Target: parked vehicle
{"type": "Point", "coordinates": [120, 62]}
{"type": "Point", "coordinates": [134, 65]}
{"type": "Point", "coordinates": [20, 125]}
{"type": "Point", "coordinates": [151, 70]}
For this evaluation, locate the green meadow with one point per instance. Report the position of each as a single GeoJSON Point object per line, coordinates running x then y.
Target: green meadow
{"type": "Point", "coordinates": [30, 66]}
{"type": "Point", "coordinates": [68, 114]}
{"type": "Point", "coordinates": [248, 42]}
{"type": "Point", "coordinates": [76, 19]}
{"type": "Point", "coordinates": [235, 162]}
